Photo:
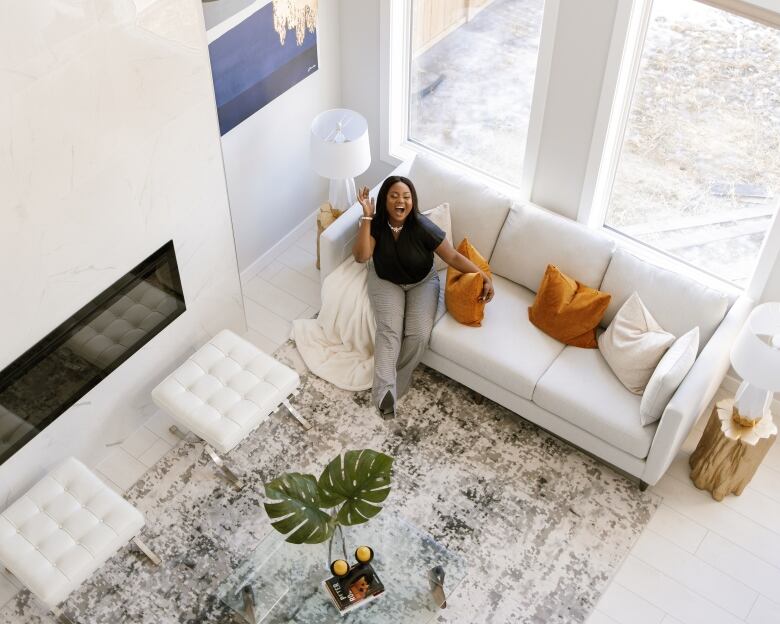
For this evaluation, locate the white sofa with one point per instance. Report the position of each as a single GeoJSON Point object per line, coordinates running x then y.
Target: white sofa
{"type": "Point", "coordinates": [569, 391]}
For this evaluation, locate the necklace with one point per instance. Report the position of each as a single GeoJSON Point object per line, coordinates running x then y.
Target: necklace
{"type": "Point", "coordinates": [395, 229]}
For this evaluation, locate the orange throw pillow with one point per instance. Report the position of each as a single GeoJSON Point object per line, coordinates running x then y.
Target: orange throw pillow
{"type": "Point", "coordinates": [568, 310]}
{"type": "Point", "coordinates": [463, 290]}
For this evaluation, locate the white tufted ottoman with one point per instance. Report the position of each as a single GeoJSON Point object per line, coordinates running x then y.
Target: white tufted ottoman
{"type": "Point", "coordinates": [63, 529]}
{"type": "Point", "coordinates": [225, 390]}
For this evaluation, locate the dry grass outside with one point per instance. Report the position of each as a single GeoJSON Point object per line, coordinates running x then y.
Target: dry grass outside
{"type": "Point", "coordinates": [699, 171]}
{"type": "Point", "coordinates": [705, 117]}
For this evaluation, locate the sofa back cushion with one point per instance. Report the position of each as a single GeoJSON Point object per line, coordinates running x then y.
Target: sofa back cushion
{"type": "Point", "coordinates": [476, 210]}
{"type": "Point", "coordinates": [677, 302]}
{"type": "Point", "coordinates": [532, 238]}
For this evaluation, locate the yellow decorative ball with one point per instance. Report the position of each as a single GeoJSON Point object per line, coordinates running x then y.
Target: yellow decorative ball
{"type": "Point", "coordinates": [340, 567]}
{"type": "Point", "coordinates": [364, 554]}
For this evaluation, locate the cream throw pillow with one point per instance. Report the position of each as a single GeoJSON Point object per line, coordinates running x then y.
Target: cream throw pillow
{"type": "Point", "coordinates": [633, 344]}
{"type": "Point", "coordinates": [441, 217]}
{"type": "Point", "coordinates": [668, 375]}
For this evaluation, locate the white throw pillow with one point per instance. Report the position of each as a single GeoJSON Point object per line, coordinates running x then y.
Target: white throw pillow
{"type": "Point", "coordinates": [441, 217]}
{"type": "Point", "coordinates": [633, 344]}
{"type": "Point", "coordinates": [668, 375]}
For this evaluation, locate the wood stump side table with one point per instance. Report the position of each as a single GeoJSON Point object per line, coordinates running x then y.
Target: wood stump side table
{"type": "Point", "coordinates": [728, 453]}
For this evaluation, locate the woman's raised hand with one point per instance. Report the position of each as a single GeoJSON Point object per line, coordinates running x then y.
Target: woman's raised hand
{"type": "Point", "coordinates": [366, 202]}
{"type": "Point", "coordinates": [487, 289]}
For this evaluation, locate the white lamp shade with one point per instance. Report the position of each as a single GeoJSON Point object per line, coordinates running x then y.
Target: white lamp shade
{"type": "Point", "coordinates": [339, 144]}
{"type": "Point", "coordinates": [753, 355]}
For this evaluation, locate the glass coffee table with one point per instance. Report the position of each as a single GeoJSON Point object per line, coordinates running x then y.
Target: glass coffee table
{"type": "Point", "coordinates": [286, 579]}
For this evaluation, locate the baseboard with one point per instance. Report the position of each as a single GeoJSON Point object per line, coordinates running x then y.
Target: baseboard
{"type": "Point", "coordinates": [264, 260]}
{"type": "Point", "coordinates": [731, 384]}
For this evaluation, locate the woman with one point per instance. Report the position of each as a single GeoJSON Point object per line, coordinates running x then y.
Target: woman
{"type": "Point", "coordinates": [403, 286]}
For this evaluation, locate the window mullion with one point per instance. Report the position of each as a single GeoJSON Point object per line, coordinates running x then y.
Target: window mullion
{"type": "Point", "coordinates": [628, 36]}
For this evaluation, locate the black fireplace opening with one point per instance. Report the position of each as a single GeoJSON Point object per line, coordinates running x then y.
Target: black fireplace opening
{"type": "Point", "coordinates": [61, 368]}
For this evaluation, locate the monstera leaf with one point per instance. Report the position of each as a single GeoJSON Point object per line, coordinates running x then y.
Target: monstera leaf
{"type": "Point", "coordinates": [298, 506]}
{"type": "Point", "coordinates": [360, 480]}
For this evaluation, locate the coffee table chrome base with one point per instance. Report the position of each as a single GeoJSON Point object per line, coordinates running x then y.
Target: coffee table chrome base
{"type": "Point", "coordinates": [248, 597]}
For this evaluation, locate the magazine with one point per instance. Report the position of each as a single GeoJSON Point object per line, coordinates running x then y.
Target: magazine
{"type": "Point", "coordinates": [358, 587]}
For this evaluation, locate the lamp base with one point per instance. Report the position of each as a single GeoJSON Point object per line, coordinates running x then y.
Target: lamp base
{"type": "Point", "coordinates": [744, 421]}
{"type": "Point", "coordinates": [342, 193]}
{"type": "Point", "coordinates": [751, 404]}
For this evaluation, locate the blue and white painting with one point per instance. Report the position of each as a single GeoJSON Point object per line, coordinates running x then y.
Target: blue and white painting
{"type": "Point", "coordinates": [249, 65]}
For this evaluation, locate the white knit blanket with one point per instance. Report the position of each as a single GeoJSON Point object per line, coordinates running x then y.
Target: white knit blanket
{"type": "Point", "coordinates": [339, 344]}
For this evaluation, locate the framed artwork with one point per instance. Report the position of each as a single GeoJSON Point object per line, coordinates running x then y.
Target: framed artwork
{"type": "Point", "coordinates": [254, 58]}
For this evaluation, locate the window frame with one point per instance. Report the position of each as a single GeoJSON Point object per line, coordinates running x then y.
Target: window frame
{"type": "Point", "coordinates": [632, 19]}
{"type": "Point", "coordinates": [620, 77]}
{"type": "Point", "coordinates": [395, 63]}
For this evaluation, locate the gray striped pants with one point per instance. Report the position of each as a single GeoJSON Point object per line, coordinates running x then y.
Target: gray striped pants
{"type": "Point", "coordinates": [404, 319]}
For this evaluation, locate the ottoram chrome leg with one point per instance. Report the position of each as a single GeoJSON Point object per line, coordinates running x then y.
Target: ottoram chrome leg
{"type": "Point", "coordinates": [294, 413]}
{"type": "Point", "coordinates": [61, 616]}
{"type": "Point", "coordinates": [231, 476]}
{"type": "Point", "coordinates": [147, 551]}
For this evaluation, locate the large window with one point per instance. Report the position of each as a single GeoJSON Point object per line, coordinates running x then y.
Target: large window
{"type": "Point", "coordinates": [698, 174]}
{"type": "Point", "coordinates": [471, 80]}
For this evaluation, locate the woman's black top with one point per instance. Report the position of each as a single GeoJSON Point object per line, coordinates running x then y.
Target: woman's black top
{"type": "Point", "coordinates": [408, 259]}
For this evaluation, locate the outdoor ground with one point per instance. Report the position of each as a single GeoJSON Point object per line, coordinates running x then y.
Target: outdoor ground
{"type": "Point", "coordinates": [700, 164]}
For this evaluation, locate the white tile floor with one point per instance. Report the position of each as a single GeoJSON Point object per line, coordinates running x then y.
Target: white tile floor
{"type": "Point", "coordinates": [698, 561]}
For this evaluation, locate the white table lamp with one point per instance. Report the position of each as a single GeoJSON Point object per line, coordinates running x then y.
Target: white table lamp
{"type": "Point", "coordinates": [756, 358]}
{"type": "Point", "coordinates": [340, 151]}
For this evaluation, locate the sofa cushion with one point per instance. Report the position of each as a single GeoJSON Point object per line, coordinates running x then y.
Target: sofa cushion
{"type": "Point", "coordinates": [476, 210]}
{"type": "Point", "coordinates": [677, 302]}
{"type": "Point", "coordinates": [532, 238]}
{"type": "Point", "coordinates": [580, 388]}
{"type": "Point", "coordinates": [507, 348]}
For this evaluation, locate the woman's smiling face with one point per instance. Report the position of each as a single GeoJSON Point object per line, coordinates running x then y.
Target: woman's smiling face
{"type": "Point", "coordinates": [399, 202]}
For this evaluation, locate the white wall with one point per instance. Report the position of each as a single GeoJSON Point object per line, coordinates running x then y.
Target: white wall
{"type": "Point", "coordinates": [110, 148]}
{"type": "Point", "coordinates": [271, 184]}
{"type": "Point", "coordinates": [360, 76]}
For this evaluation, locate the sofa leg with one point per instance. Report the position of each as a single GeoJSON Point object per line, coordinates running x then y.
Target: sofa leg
{"type": "Point", "coordinates": [177, 432]}
{"type": "Point", "coordinates": [147, 551]}
{"type": "Point", "coordinates": [642, 486]}
{"type": "Point", "coordinates": [231, 476]}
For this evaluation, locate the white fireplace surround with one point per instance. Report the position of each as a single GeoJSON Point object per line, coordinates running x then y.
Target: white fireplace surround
{"type": "Point", "coordinates": [109, 110]}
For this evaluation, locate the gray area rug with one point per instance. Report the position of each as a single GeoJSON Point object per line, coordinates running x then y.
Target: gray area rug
{"type": "Point", "coordinates": [543, 525]}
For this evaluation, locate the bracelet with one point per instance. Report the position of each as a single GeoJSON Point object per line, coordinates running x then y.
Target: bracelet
{"type": "Point", "coordinates": [365, 218]}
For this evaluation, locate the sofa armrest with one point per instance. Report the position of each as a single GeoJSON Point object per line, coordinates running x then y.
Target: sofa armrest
{"type": "Point", "coordinates": [695, 392]}
{"type": "Point", "coordinates": [336, 242]}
